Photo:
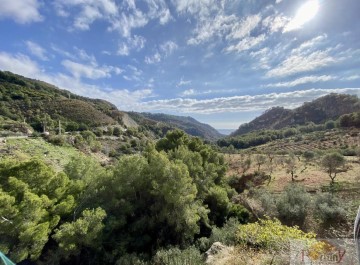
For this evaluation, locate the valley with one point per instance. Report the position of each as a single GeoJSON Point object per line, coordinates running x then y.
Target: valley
{"type": "Point", "coordinates": [88, 165]}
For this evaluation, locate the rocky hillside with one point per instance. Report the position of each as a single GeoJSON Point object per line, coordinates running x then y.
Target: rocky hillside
{"type": "Point", "coordinates": [329, 107]}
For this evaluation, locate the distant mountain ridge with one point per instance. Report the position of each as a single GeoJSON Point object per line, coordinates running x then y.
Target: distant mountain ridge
{"type": "Point", "coordinates": [187, 124]}
{"type": "Point", "coordinates": [38, 102]}
{"type": "Point", "coordinates": [328, 107]}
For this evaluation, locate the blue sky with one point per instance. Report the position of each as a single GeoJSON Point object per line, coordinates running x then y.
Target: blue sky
{"type": "Point", "coordinates": [222, 62]}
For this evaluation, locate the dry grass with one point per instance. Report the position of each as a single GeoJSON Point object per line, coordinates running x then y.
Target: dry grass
{"type": "Point", "coordinates": [311, 175]}
{"type": "Point", "coordinates": [245, 256]}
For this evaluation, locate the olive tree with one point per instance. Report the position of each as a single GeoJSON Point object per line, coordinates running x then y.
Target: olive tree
{"type": "Point", "coordinates": [332, 164]}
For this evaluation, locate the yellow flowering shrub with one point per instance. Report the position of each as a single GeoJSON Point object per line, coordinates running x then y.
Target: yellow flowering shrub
{"type": "Point", "coordinates": [271, 234]}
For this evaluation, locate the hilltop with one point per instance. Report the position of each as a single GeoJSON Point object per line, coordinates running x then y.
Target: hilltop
{"type": "Point", "coordinates": [329, 107]}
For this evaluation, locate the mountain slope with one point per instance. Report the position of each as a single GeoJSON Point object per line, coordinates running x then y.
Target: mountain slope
{"type": "Point", "coordinates": [39, 104]}
{"type": "Point", "coordinates": [187, 124]}
{"type": "Point", "coordinates": [32, 100]}
{"type": "Point", "coordinates": [328, 107]}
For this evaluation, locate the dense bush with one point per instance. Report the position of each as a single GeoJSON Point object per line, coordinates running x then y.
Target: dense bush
{"type": "Point", "coordinates": [329, 209]}
{"type": "Point", "coordinates": [57, 139]}
{"type": "Point", "coordinates": [225, 235]}
{"type": "Point", "coordinates": [175, 256]}
{"type": "Point", "coordinates": [293, 204]}
{"type": "Point", "coordinates": [270, 235]}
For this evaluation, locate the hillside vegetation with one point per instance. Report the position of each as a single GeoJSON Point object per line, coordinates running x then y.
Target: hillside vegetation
{"type": "Point", "coordinates": [42, 106]}
{"type": "Point", "coordinates": [329, 107]}
{"type": "Point", "coordinates": [121, 188]}
{"type": "Point", "coordinates": [187, 124]}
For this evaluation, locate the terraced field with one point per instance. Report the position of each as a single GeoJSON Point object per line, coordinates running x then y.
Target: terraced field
{"type": "Point", "coordinates": [334, 139]}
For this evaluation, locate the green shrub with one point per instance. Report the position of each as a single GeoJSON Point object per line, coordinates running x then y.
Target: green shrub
{"type": "Point", "coordinates": [57, 140]}
{"type": "Point", "coordinates": [225, 235]}
{"type": "Point", "coordinates": [72, 126]}
{"type": "Point", "coordinates": [348, 152]}
{"type": "Point", "coordinates": [266, 200]}
{"type": "Point", "coordinates": [330, 125]}
{"type": "Point", "coordinates": [88, 136]}
{"type": "Point", "coordinates": [292, 204]}
{"type": "Point", "coordinates": [95, 147]}
{"type": "Point", "coordinates": [130, 259]}
{"type": "Point", "coordinates": [329, 208]}
{"type": "Point", "coordinates": [98, 132]}
{"type": "Point", "coordinates": [175, 256]}
{"type": "Point", "coordinates": [239, 212]}
{"type": "Point", "coordinates": [308, 155]}
{"type": "Point", "coordinates": [117, 131]}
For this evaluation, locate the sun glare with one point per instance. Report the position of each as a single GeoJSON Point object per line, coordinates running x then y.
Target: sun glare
{"type": "Point", "coordinates": [305, 13]}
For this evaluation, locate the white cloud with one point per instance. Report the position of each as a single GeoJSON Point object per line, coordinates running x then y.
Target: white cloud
{"type": "Point", "coordinates": [121, 16]}
{"type": "Point", "coordinates": [351, 78]}
{"type": "Point", "coordinates": [124, 99]}
{"type": "Point", "coordinates": [241, 103]}
{"type": "Point", "coordinates": [133, 73]}
{"type": "Point", "coordinates": [79, 70]}
{"type": "Point", "coordinates": [156, 58]}
{"type": "Point", "coordinates": [298, 63]}
{"type": "Point", "coordinates": [90, 11]}
{"type": "Point", "coordinates": [19, 64]}
{"type": "Point", "coordinates": [183, 82]}
{"type": "Point", "coordinates": [188, 92]}
{"type": "Point", "coordinates": [63, 52]}
{"type": "Point", "coordinates": [244, 27]}
{"type": "Point", "coordinates": [165, 50]}
{"type": "Point", "coordinates": [193, 92]}
{"type": "Point", "coordinates": [212, 27]}
{"type": "Point", "coordinates": [21, 11]}
{"type": "Point", "coordinates": [168, 47]}
{"type": "Point", "coordinates": [275, 23]}
{"type": "Point", "coordinates": [246, 44]}
{"type": "Point", "coordinates": [229, 26]}
{"type": "Point", "coordinates": [84, 56]}
{"type": "Point", "coordinates": [123, 50]}
{"type": "Point", "coordinates": [127, 22]}
{"type": "Point", "coordinates": [262, 58]}
{"type": "Point", "coordinates": [37, 50]}
{"type": "Point", "coordinates": [133, 43]}
{"type": "Point", "coordinates": [310, 45]}
{"type": "Point", "coordinates": [158, 9]}
{"type": "Point", "coordinates": [303, 80]}
{"type": "Point", "coordinates": [305, 58]}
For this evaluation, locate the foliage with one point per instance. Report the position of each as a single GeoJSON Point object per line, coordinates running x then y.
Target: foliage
{"type": "Point", "coordinates": [308, 155]}
{"type": "Point", "coordinates": [33, 198]}
{"type": "Point", "coordinates": [270, 234]}
{"type": "Point", "coordinates": [225, 235]}
{"type": "Point", "coordinates": [332, 164]}
{"type": "Point", "coordinates": [293, 204]}
{"type": "Point", "coordinates": [350, 120]}
{"type": "Point", "coordinates": [171, 194]}
{"type": "Point", "coordinates": [176, 256]}
{"type": "Point", "coordinates": [147, 189]}
{"type": "Point", "coordinates": [84, 232]}
{"type": "Point", "coordinates": [316, 112]}
{"type": "Point", "coordinates": [187, 124]}
{"type": "Point", "coordinates": [329, 209]}
{"type": "Point", "coordinates": [291, 164]}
